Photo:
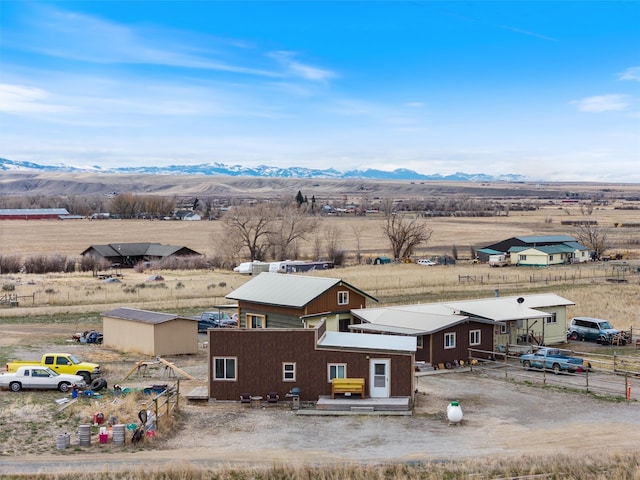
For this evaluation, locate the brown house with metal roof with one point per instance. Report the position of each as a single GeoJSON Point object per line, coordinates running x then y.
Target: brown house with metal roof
{"type": "Point", "coordinates": [150, 333]}
{"type": "Point", "coordinates": [130, 254]}
{"type": "Point", "coordinates": [277, 300]}
{"type": "Point", "coordinates": [258, 361]}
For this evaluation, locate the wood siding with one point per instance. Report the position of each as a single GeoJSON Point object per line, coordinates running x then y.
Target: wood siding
{"type": "Point", "coordinates": [281, 316]}
{"type": "Point", "coordinates": [434, 350]}
{"type": "Point", "coordinates": [261, 354]}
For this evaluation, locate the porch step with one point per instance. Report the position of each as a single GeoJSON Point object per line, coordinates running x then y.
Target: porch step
{"type": "Point", "coordinates": [361, 409]}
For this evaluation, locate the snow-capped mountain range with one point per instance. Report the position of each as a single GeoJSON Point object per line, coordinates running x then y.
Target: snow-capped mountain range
{"type": "Point", "coordinates": [222, 170]}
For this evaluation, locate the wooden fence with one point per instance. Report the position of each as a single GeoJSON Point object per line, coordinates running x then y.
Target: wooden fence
{"type": "Point", "coordinates": [608, 375]}
{"type": "Point", "coordinates": [164, 404]}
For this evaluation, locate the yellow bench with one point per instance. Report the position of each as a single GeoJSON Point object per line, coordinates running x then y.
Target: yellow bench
{"type": "Point", "coordinates": [347, 385]}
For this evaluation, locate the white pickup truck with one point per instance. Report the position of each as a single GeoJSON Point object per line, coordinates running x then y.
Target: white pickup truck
{"type": "Point", "coordinates": [33, 376]}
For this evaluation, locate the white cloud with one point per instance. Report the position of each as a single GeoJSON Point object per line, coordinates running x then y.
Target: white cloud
{"type": "Point", "coordinates": [298, 69]}
{"type": "Point", "coordinates": [87, 38]}
{"type": "Point", "coordinates": [631, 73]}
{"type": "Point", "coordinates": [602, 103]}
{"type": "Point", "coordinates": [19, 99]}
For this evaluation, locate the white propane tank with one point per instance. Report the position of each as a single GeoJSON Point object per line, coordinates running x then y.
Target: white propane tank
{"type": "Point", "coordinates": [454, 412]}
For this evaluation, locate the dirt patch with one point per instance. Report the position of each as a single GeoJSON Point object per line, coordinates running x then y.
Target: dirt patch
{"type": "Point", "coordinates": [500, 418]}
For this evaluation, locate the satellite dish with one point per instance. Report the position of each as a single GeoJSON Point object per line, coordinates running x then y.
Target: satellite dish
{"type": "Point", "coordinates": [520, 300]}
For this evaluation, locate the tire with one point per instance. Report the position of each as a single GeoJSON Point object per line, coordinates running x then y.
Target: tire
{"type": "Point", "coordinates": [15, 386]}
{"type": "Point", "coordinates": [573, 336]}
{"type": "Point", "coordinates": [103, 383]}
{"type": "Point", "coordinates": [96, 384]}
{"type": "Point", "coordinates": [86, 376]}
{"type": "Point", "coordinates": [64, 386]}
{"type": "Point", "coordinates": [556, 368]}
{"type": "Point", "coordinates": [527, 365]}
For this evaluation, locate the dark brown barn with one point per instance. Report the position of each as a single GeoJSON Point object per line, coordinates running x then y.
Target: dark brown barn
{"type": "Point", "coordinates": [277, 300]}
{"type": "Point", "coordinates": [259, 361]}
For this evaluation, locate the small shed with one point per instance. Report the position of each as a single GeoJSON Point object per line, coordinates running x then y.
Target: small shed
{"type": "Point", "coordinates": [149, 333]}
{"type": "Point", "coordinates": [381, 260]}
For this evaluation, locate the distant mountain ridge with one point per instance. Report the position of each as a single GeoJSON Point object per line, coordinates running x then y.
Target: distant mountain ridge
{"type": "Point", "coordinates": [222, 170]}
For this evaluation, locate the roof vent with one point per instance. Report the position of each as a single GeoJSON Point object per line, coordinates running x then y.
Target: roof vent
{"type": "Point", "coordinates": [520, 300]}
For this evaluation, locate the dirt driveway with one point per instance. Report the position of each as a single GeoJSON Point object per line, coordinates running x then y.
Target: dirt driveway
{"type": "Point", "coordinates": [500, 418]}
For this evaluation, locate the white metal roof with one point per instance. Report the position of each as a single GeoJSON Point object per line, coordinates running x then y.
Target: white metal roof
{"type": "Point", "coordinates": [428, 318]}
{"type": "Point", "coordinates": [285, 289]}
{"type": "Point", "coordinates": [418, 321]}
{"type": "Point", "coordinates": [367, 341]}
{"type": "Point", "coordinates": [501, 309]}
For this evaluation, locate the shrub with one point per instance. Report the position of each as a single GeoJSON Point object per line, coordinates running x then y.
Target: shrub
{"type": "Point", "coordinates": [39, 263]}
{"type": "Point", "coordinates": [8, 287]}
{"type": "Point", "coordinates": [10, 264]}
{"type": "Point", "coordinates": [89, 263]}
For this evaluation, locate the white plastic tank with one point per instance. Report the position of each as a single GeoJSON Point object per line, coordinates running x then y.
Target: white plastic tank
{"type": "Point", "coordinates": [454, 412]}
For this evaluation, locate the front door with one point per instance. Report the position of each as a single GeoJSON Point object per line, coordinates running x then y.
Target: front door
{"type": "Point", "coordinates": [379, 376]}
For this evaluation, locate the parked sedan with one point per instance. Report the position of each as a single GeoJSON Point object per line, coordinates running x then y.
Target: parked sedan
{"type": "Point", "coordinates": [41, 378]}
{"type": "Point", "coordinates": [426, 262]}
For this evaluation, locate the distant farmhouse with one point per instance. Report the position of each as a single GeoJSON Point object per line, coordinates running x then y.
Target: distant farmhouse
{"type": "Point", "coordinates": [538, 250]}
{"type": "Point", "coordinates": [130, 254]}
{"type": "Point", "coordinates": [34, 214]}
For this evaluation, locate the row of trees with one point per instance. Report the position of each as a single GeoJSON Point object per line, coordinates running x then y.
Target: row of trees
{"type": "Point", "coordinates": [269, 231]}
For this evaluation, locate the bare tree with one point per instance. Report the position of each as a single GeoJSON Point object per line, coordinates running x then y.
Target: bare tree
{"type": "Point", "coordinates": [290, 225]}
{"type": "Point", "coordinates": [267, 228]}
{"type": "Point", "coordinates": [405, 234]}
{"type": "Point", "coordinates": [251, 227]}
{"type": "Point", "coordinates": [357, 233]}
{"type": "Point", "coordinates": [126, 205]}
{"type": "Point", "coordinates": [387, 206]}
{"type": "Point", "coordinates": [594, 237]}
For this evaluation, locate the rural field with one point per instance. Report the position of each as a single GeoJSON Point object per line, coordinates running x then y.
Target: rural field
{"type": "Point", "coordinates": [504, 419]}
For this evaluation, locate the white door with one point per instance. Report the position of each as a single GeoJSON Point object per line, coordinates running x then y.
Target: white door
{"type": "Point", "coordinates": [379, 376]}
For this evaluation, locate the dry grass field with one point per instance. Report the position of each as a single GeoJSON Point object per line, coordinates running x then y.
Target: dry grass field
{"type": "Point", "coordinates": [73, 236]}
{"type": "Point", "coordinates": [54, 306]}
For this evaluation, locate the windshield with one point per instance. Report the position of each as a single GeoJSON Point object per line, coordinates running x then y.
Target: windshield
{"type": "Point", "coordinates": [74, 360]}
{"type": "Point", "coordinates": [52, 373]}
{"type": "Point", "coordinates": [605, 325]}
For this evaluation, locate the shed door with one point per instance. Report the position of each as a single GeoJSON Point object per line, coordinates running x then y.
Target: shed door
{"type": "Point", "coordinates": [379, 375]}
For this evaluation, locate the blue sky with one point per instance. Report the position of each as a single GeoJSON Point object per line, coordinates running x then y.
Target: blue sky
{"type": "Point", "coordinates": [548, 90]}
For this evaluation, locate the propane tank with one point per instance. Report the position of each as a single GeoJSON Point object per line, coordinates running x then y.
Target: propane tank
{"type": "Point", "coordinates": [454, 412]}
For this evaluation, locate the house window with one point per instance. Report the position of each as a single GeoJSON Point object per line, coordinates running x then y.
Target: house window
{"type": "Point", "coordinates": [224, 368]}
{"type": "Point", "coordinates": [289, 372]}
{"type": "Point", "coordinates": [450, 340]}
{"type": "Point", "coordinates": [552, 319]}
{"type": "Point", "coordinates": [256, 321]}
{"type": "Point", "coordinates": [550, 258]}
{"type": "Point", "coordinates": [337, 370]}
{"type": "Point", "coordinates": [504, 329]}
{"type": "Point", "coordinates": [522, 258]}
{"type": "Point", "coordinates": [343, 298]}
{"type": "Point", "coordinates": [474, 337]}
{"type": "Point", "coordinates": [420, 341]}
